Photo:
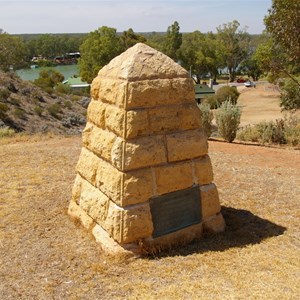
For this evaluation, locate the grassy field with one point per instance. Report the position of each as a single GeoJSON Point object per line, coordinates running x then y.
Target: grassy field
{"type": "Point", "coordinates": [44, 255]}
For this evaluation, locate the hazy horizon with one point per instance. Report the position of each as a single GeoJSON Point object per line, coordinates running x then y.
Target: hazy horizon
{"type": "Point", "coordinates": [74, 16]}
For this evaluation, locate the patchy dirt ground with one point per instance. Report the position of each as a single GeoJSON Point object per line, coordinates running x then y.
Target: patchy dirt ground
{"type": "Point", "coordinates": [44, 255]}
{"type": "Point", "coordinates": [259, 104]}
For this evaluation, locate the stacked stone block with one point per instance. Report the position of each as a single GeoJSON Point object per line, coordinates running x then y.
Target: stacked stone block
{"type": "Point", "coordinates": [143, 139]}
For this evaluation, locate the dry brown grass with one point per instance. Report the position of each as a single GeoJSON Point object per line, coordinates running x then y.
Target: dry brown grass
{"type": "Point", "coordinates": [44, 255]}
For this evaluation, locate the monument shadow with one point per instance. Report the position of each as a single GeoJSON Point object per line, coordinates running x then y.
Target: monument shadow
{"type": "Point", "coordinates": [242, 229]}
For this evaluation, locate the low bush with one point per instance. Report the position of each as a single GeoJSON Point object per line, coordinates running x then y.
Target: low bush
{"type": "Point", "coordinates": [4, 93]}
{"type": "Point", "coordinates": [6, 132]}
{"type": "Point", "coordinates": [206, 118]}
{"type": "Point", "coordinates": [228, 119]}
{"type": "Point", "coordinates": [227, 93]}
{"type": "Point", "coordinates": [54, 110]}
{"type": "Point", "coordinates": [38, 110]}
{"type": "Point", "coordinates": [19, 113]}
{"type": "Point", "coordinates": [290, 95]}
{"type": "Point", "coordinates": [282, 131]}
{"type": "Point", "coordinates": [3, 109]}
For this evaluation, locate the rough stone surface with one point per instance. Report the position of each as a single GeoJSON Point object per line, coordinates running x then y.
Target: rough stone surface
{"type": "Point", "coordinates": [137, 123]}
{"type": "Point", "coordinates": [215, 224]}
{"type": "Point", "coordinates": [79, 214]}
{"type": "Point", "coordinates": [143, 152]}
{"type": "Point", "coordinates": [142, 62]}
{"type": "Point", "coordinates": [173, 177]}
{"type": "Point", "coordinates": [203, 170]}
{"type": "Point", "coordinates": [186, 145]}
{"type": "Point", "coordinates": [209, 201]}
{"type": "Point", "coordinates": [96, 113]}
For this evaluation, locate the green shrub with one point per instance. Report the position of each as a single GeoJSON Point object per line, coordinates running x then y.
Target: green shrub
{"type": "Point", "coordinates": [290, 95]}
{"type": "Point", "coordinates": [19, 113]}
{"type": "Point", "coordinates": [3, 109]}
{"type": "Point", "coordinates": [54, 110]}
{"type": "Point", "coordinates": [4, 93]}
{"type": "Point", "coordinates": [227, 93]}
{"type": "Point", "coordinates": [228, 119]}
{"type": "Point", "coordinates": [206, 118]}
{"type": "Point", "coordinates": [282, 131]}
{"type": "Point", "coordinates": [63, 88]}
{"type": "Point", "coordinates": [292, 130]}
{"type": "Point", "coordinates": [211, 101]}
{"type": "Point", "coordinates": [6, 132]}
{"type": "Point", "coordinates": [38, 110]}
{"type": "Point", "coordinates": [248, 133]}
{"type": "Point", "coordinates": [68, 104]}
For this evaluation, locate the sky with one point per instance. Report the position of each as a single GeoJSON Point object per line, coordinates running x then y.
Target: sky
{"type": "Point", "coordinates": [74, 16]}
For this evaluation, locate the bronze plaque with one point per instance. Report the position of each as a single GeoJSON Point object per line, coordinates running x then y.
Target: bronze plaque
{"type": "Point", "coordinates": [176, 210]}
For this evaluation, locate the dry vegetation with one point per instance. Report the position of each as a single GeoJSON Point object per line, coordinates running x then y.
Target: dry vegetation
{"type": "Point", "coordinates": [44, 255]}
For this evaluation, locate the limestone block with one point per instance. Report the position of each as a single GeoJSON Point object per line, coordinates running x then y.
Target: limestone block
{"type": "Point", "coordinates": [150, 93]}
{"type": "Point", "coordinates": [214, 224]}
{"type": "Point", "coordinates": [186, 145]}
{"type": "Point", "coordinates": [130, 224]}
{"type": "Point", "coordinates": [137, 123]}
{"type": "Point", "coordinates": [96, 113]}
{"type": "Point", "coordinates": [76, 190]}
{"type": "Point", "coordinates": [110, 246]}
{"type": "Point", "coordinates": [143, 152]}
{"type": "Point", "coordinates": [203, 170]}
{"type": "Point", "coordinates": [176, 238]}
{"type": "Point", "coordinates": [87, 165]}
{"type": "Point", "coordinates": [190, 117]}
{"type": "Point", "coordinates": [210, 204]}
{"type": "Point", "coordinates": [137, 223]}
{"type": "Point", "coordinates": [78, 213]}
{"type": "Point", "coordinates": [173, 177]}
{"type": "Point", "coordinates": [173, 118]}
{"type": "Point", "coordinates": [109, 180]}
{"type": "Point", "coordinates": [115, 119]}
{"type": "Point", "coordinates": [117, 152]}
{"type": "Point", "coordinates": [138, 187]}
{"type": "Point", "coordinates": [111, 91]}
{"type": "Point", "coordinates": [113, 223]}
{"type": "Point", "coordinates": [99, 141]}
{"type": "Point", "coordinates": [95, 88]}
{"type": "Point", "coordinates": [93, 202]}
{"type": "Point", "coordinates": [165, 119]}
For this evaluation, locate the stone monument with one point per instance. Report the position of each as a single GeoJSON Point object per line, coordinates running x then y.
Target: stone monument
{"type": "Point", "coordinates": [144, 179]}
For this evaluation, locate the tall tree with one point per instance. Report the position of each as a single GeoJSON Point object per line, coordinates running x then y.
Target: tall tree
{"type": "Point", "coordinates": [198, 54]}
{"type": "Point", "coordinates": [97, 50]}
{"type": "Point", "coordinates": [12, 52]}
{"type": "Point", "coordinates": [233, 46]}
{"type": "Point", "coordinates": [129, 38]}
{"type": "Point", "coordinates": [173, 41]}
{"type": "Point", "coordinates": [283, 23]}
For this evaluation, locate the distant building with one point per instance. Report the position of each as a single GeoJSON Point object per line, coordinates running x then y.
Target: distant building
{"type": "Point", "coordinates": [202, 91]}
{"type": "Point", "coordinates": [76, 82]}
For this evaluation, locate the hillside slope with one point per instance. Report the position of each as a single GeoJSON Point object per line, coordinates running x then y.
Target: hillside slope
{"type": "Point", "coordinates": [26, 107]}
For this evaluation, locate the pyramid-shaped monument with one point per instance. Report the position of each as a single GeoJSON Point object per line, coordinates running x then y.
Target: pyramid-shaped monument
{"type": "Point", "coordinates": [144, 179]}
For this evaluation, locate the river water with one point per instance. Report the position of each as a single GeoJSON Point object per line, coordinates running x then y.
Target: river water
{"type": "Point", "coordinates": [32, 74]}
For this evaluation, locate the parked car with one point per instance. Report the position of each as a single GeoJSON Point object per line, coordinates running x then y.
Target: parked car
{"type": "Point", "coordinates": [241, 80]}
{"type": "Point", "coordinates": [249, 84]}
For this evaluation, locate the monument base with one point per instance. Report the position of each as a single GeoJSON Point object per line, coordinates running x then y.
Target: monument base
{"type": "Point", "coordinates": [214, 224]}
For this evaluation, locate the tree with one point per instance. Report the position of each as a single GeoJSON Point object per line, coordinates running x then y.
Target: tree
{"type": "Point", "coordinates": [129, 38]}
{"type": "Point", "coordinates": [198, 53]}
{"type": "Point", "coordinates": [97, 50]}
{"type": "Point", "coordinates": [12, 52]}
{"type": "Point", "coordinates": [283, 24]}
{"type": "Point", "coordinates": [173, 41]}
{"type": "Point", "coordinates": [233, 46]}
